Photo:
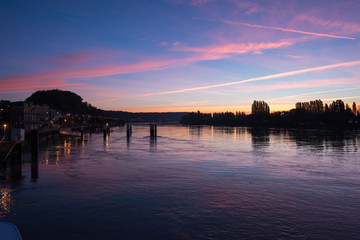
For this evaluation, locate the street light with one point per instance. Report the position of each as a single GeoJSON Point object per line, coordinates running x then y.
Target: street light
{"type": "Point", "coordinates": [4, 129]}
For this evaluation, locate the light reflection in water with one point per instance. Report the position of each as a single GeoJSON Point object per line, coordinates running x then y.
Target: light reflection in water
{"type": "Point", "coordinates": [57, 157]}
{"type": "Point", "coordinates": [6, 202]}
{"type": "Point", "coordinates": [106, 141]}
{"type": "Point", "coordinates": [67, 147]}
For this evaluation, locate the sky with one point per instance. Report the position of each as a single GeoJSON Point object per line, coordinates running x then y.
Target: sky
{"type": "Point", "coordinates": [182, 55]}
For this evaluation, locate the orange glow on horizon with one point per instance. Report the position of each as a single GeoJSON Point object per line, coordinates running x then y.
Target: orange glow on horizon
{"type": "Point", "coordinates": [209, 109]}
{"type": "Point", "coordinates": [233, 109]}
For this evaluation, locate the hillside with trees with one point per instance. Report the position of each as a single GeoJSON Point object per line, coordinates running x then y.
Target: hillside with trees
{"type": "Point", "coordinates": [64, 101]}
{"type": "Point", "coordinates": [69, 102]}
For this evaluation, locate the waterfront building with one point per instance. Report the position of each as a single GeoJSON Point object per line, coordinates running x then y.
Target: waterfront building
{"type": "Point", "coordinates": [29, 116]}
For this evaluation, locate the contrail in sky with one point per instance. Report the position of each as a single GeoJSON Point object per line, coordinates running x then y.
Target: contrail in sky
{"type": "Point", "coordinates": [280, 29]}
{"type": "Point", "coordinates": [287, 30]}
{"type": "Point", "coordinates": [312, 93]}
{"type": "Point", "coordinates": [333, 99]}
{"type": "Point", "coordinates": [272, 76]}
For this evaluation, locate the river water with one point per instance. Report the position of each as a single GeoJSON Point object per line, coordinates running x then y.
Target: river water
{"type": "Point", "coordinates": [196, 182]}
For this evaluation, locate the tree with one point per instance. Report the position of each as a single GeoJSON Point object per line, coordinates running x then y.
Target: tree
{"type": "Point", "coordinates": [337, 106]}
{"type": "Point", "coordinates": [260, 107]}
{"type": "Point", "coordinates": [354, 108]}
{"type": "Point", "coordinates": [315, 106]}
{"type": "Point", "coordinates": [326, 107]}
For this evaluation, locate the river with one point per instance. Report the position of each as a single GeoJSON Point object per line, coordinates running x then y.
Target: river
{"type": "Point", "coordinates": [197, 182]}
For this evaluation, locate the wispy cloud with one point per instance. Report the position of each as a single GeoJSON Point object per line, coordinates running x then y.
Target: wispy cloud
{"type": "Point", "coordinates": [21, 86]}
{"type": "Point", "coordinates": [313, 93]}
{"type": "Point", "coordinates": [191, 2]}
{"type": "Point", "coordinates": [241, 48]}
{"type": "Point", "coordinates": [249, 7]}
{"type": "Point", "coordinates": [342, 98]}
{"type": "Point", "coordinates": [283, 29]}
{"type": "Point", "coordinates": [213, 52]}
{"type": "Point", "coordinates": [199, 2]}
{"type": "Point", "coordinates": [306, 84]}
{"type": "Point", "coordinates": [340, 26]}
{"type": "Point", "coordinates": [272, 76]}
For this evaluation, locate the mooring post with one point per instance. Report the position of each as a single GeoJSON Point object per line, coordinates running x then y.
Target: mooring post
{"type": "Point", "coordinates": [106, 130]}
{"type": "Point", "coordinates": [128, 130]}
{"type": "Point", "coordinates": [34, 154]}
{"type": "Point", "coordinates": [34, 142]}
{"type": "Point", "coordinates": [34, 168]}
{"type": "Point", "coordinates": [153, 130]}
{"type": "Point", "coordinates": [82, 133]}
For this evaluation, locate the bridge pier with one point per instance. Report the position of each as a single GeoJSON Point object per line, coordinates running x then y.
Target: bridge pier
{"type": "Point", "coordinates": [153, 130]}
{"type": "Point", "coordinates": [128, 130]}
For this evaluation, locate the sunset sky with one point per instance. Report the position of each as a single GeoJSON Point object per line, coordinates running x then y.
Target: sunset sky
{"type": "Point", "coordinates": [182, 55]}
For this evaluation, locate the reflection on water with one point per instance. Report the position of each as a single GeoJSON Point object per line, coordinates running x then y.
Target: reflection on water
{"type": "Point", "coordinates": [106, 141]}
{"type": "Point", "coordinates": [196, 131]}
{"type": "Point", "coordinates": [323, 141]}
{"type": "Point", "coordinates": [195, 182]}
{"type": "Point", "coordinates": [6, 202]}
{"type": "Point", "coordinates": [260, 138]}
{"type": "Point", "coordinates": [153, 142]}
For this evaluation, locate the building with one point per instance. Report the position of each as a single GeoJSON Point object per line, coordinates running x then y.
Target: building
{"type": "Point", "coordinates": [29, 116]}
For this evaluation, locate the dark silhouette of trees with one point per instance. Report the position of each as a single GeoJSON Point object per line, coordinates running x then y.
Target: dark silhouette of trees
{"type": "Point", "coordinates": [227, 118]}
{"type": "Point", "coordinates": [315, 106]}
{"type": "Point", "coordinates": [65, 101]}
{"type": "Point", "coordinates": [260, 113]}
{"type": "Point", "coordinates": [337, 106]}
{"type": "Point", "coordinates": [313, 114]}
{"type": "Point", "coordinates": [197, 118]}
{"type": "Point", "coordinates": [354, 108]}
{"type": "Point", "coordinates": [260, 107]}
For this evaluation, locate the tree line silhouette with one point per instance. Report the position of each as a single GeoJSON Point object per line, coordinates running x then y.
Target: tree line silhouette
{"type": "Point", "coordinates": [313, 114]}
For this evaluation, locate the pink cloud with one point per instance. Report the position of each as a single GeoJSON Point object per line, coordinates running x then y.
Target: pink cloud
{"type": "Point", "coordinates": [339, 26]}
{"type": "Point", "coordinates": [212, 52]}
{"type": "Point", "coordinates": [164, 44]}
{"type": "Point", "coordinates": [249, 7]}
{"type": "Point", "coordinates": [199, 2]}
{"type": "Point", "coordinates": [191, 2]}
{"type": "Point", "coordinates": [16, 86]}
{"type": "Point", "coordinates": [241, 48]}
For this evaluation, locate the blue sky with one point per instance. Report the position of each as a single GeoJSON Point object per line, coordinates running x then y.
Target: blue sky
{"type": "Point", "coordinates": [177, 55]}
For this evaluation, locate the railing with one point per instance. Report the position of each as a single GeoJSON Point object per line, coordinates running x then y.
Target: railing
{"type": "Point", "coordinates": [2, 140]}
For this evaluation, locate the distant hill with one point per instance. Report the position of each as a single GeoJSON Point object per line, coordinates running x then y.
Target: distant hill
{"type": "Point", "coordinates": [64, 101]}
{"type": "Point", "coordinates": [70, 102]}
